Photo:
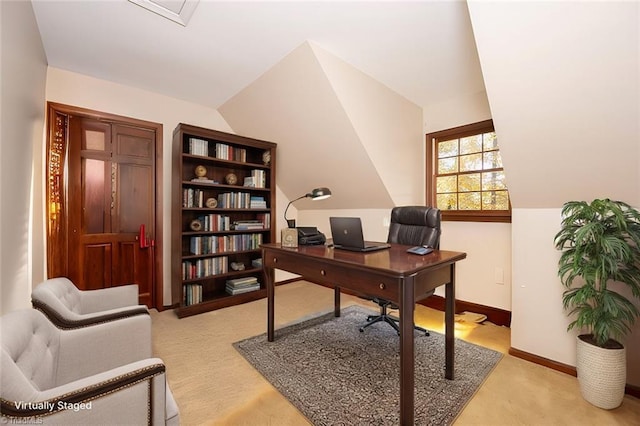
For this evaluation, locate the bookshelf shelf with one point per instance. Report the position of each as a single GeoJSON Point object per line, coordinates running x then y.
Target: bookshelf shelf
{"type": "Point", "coordinates": [218, 223]}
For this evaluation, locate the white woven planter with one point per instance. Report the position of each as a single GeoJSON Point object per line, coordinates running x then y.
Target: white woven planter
{"type": "Point", "coordinates": [602, 374]}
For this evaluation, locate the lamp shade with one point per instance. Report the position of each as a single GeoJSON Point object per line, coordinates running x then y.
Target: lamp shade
{"type": "Point", "coordinates": [320, 194]}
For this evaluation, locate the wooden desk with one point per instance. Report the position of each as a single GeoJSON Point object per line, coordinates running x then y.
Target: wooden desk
{"type": "Point", "coordinates": [392, 274]}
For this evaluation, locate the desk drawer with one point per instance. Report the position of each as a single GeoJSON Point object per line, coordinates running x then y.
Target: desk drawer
{"type": "Point", "coordinates": [347, 276]}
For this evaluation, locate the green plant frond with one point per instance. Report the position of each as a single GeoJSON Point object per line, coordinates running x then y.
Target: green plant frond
{"type": "Point", "coordinates": [600, 243]}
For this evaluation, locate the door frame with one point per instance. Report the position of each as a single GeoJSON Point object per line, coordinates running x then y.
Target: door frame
{"type": "Point", "coordinates": [57, 147]}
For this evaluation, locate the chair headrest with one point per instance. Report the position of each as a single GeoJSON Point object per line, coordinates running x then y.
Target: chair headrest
{"type": "Point", "coordinates": [30, 348]}
{"type": "Point", "coordinates": [58, 293]}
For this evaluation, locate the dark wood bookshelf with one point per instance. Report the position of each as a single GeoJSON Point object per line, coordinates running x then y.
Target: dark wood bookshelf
{"type": "Point", "coordinates": [248, 160]}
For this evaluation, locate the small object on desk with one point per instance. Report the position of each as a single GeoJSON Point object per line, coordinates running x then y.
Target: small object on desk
{"type": "Point", "coordinates": [420, 250]}
{"type": "Point", "coordinates": [289, 237]}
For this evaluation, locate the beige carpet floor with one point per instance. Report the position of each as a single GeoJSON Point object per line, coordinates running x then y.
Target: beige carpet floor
{"type": "Point", "coordinates": [214, 385]}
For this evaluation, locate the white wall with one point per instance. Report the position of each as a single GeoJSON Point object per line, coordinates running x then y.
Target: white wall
{"type": "Point", "coordinates": [79, 90]}
{"type": "Point", "coordinates": [562, 82]}
{"type": "Point", "coordinates": [23, 70]}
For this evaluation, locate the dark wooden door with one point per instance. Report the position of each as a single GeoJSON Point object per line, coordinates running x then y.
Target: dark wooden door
{"type": "Point", "coordinates": [111, 205]}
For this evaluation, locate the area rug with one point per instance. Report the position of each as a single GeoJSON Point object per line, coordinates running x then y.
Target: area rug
{"type": "Point", "coordinates": [336, 375]}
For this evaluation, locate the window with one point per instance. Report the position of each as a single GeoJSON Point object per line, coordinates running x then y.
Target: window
{"type": "Point", "coordinates": [465, 177]}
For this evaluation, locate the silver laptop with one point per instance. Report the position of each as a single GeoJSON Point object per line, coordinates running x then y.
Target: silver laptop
{"type": "Point", "coordinates": [347, 235]}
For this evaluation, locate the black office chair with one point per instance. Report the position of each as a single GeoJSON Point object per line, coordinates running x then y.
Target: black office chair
{"type": "Point", "coordinates": [415, 226]}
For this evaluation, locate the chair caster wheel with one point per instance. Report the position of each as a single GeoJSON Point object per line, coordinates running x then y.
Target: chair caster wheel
{"type": "Point", "coordinates": [361, 329]}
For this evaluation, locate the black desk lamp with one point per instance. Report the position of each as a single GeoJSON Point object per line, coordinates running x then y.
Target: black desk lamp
{"type": "Point", "coordinates": [316, 194]}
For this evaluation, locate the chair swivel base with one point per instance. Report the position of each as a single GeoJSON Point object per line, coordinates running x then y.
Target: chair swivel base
{"type": "Point", "coordinates": [392, 321]}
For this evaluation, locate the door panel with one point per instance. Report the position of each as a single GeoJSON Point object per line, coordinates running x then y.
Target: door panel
{"type": "Point", "coordinates": [96, 261]}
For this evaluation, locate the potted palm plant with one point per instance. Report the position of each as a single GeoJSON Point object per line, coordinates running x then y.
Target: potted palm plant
{"type": "Point", "coordinates": [600, 243]}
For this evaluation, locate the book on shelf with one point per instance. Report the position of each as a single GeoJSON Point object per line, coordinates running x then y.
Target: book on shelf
{"type": "Point", "coordinates": [200, 245]}
{"type": "Point", "coordinates": [257, 202]}
{"type": "Point", "coordinates": [242, 282]}
{"type": "Point", "coordinates": [227, 152]}
{"type": "Point", "coordinates": [248, 224]}
{"type": "Point", "coordinates": [234, 291]}
{"type": "Point", "coordinates": [198, 147]}
{"type": "Point", "coordinates": [203, 180]}
{"type": "Point", "coordinates": [202, 268]}
{"type": "Point", "coordinates": [234, 200]}
{"type": "Point", "coordinates": [192, 294]}
{"type": "Point", "coordinates": [246, 285]}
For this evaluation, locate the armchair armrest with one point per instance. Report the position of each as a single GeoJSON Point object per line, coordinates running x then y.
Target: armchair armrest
{"type": "Point", "coordinates": [109, 298]}
{"type": "Point", "coordinates": [72, 320]}
{"type": "Point", "coordinates": [130, 394]}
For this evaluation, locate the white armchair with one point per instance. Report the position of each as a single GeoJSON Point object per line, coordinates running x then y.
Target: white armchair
{"type": "Point", "coordinates": [87, 375]}
{"type": "Point", "coordinates": [67, 307]}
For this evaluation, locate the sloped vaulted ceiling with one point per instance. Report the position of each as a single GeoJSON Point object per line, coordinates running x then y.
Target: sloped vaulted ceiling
{"type": "Point", "coordinates": [335, 127]}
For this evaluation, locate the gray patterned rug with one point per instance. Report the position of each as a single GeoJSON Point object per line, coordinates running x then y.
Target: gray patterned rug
{"type": "Point", "coordinates": [336, 375]}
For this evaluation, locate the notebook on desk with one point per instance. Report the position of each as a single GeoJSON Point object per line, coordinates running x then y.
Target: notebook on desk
{"type": "Point", "coordinates": [347, 235]}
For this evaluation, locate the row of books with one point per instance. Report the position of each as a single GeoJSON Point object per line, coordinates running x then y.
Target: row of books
{"type": "Point", "coordinates": [192, 198]}
{"type": "Point", "coordinates": [242, 285]}
{"type": "Point", "coordinates": [240, 200]}
{"type": "Point", "coordinates": [215, 222]}
{"type": "Point", "coordinates": [195, 198]}
{"type": "Point", "coordinates": [223, 151]}
{"type": "Point", "coordinates": [258, 179]}
{"type": "Point", "coordinates": [262, 221]}
{"type": "Point", "coordinates": [192, 294]}
{"type": "Point", "coordinates": [220, 222]}
{"type": "Point", "coordinates": [224, 243]}
{"type": "Point", "coordinates": [227, 152]}
{"type": "Point", "coordinates": [204, 267]}
{"type": "Point", "coordinates": [257, 202]}
{"type": "Point", "coordinates": [198, 147]}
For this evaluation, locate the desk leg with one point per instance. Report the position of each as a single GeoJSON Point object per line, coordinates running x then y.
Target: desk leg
{"type": "Point", "coordinates": [407, 356]}
{"type": "Point", "coordinates": [269, 273]}
{"type": "Point", "coordinates": [336, 302]}
{"type": "Point", "coordinates": [449, 313]}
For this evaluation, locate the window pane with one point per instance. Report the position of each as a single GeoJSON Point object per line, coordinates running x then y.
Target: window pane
{"type": "Point", "coordinates": [489, 141]}
{"type": "Point", "coordinates": [93, 197]}
{"type": "Point", "coordinates": [448, 165]}
{"type": "Point", "coordinates": [469, 201]}
{"type": "Point", "coordinates": [492, 160]}
{"type": "Point", "coordinates": [493, 180]}
{"type": "Point", "coordinates": [94, 140]}
{"type": "Point", "coordinates": [446, 184]}
{"type": "Point", "coordinates": [469, 163]}
{"type": "Point", "coordinates": [447, 201]}
{"type": "Point", "coordinates": [468, 183]}
{"type": "Point", "coordinates": [495, 200]}
{"type": "Point", "coordinates": [471, 144]}
{"type": "Point", "coordinates": [448, 148]}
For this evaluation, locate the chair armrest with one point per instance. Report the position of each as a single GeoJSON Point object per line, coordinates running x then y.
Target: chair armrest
{"type": "Point", "coordinates": [130, 394]}
{"type": "Point", "coordinates": [108, 298]}
{"type": "Point", "coordinates": [90, 350]}
{"type": "Point", "coordinates": [66, 319]}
